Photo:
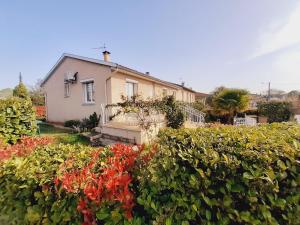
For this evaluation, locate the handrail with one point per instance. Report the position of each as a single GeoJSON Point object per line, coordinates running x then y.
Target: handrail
{"type": "Point", "coordinates": [107, 112]}
{"type": "Point", "coordinates": [193, 114]}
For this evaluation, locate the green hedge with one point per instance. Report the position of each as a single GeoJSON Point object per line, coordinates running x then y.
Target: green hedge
{"type": "Point", "coordinates": [221, 175]}
{"type": "Point", "coordinates": [275, 111]}
{"type": "Point", "coordinates": [17, 118]}
{"type": "Point", "coordinates": [27, 191]}
{"type": "Point", "coordinates": [224, 175]}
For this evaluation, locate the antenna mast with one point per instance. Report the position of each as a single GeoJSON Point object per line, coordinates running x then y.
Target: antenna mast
{"type": "Point", "coordinates": [20, 78]}
{"type": "Point", "coordinates": [101, 47]}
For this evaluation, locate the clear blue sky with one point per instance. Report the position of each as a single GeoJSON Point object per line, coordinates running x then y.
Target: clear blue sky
{"type": "Point", "coordinates": [204, 43]}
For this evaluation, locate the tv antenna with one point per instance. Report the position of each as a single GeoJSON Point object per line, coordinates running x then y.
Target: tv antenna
{"type": "Point", "coordinates": [101, 47]}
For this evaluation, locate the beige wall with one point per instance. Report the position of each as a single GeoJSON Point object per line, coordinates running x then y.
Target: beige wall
{"type": "Point", "coordinates": [61, 108]}
{"type": "Point", "coordinates": [108, 88]}
{"type": "Point", "coordinates": [146, 89]}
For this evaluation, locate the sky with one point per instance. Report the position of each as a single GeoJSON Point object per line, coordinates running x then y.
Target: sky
{"type": "Point", "coordinates": [206, 44]}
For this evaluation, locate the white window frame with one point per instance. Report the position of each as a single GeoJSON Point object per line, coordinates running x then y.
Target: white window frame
{"type": "Point", "coordinates": [67, 89]}
{"type": "Point", "coordinates": [85, 90]}
{"type": "Point", "coordinates": [174, 94]}
{"type": "Point", "coordinates": [134, 86]}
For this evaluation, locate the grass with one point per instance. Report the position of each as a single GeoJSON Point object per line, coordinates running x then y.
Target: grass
{"type": "Point", "coordinates": [64, 136]}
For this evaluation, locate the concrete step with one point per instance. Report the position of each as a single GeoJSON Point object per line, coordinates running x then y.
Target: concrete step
{"type": "Point", "coordinates": [108, 139]}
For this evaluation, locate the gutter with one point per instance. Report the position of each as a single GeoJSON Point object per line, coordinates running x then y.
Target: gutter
{"type": "Point", "coordinates": [123, 70]}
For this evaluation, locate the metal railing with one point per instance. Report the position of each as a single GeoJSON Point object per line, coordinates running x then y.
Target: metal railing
{"type": "Point", "coordinates": [193, 114]}
{"type": "Point", "coordinates": [114, 113]}
{"type": "Point", "coordinates": [109, 113]}
{"type": "Point", "coordinates": [238, 121]}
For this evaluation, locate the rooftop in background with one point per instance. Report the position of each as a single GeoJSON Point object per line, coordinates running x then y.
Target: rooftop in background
{"type": "Point", "coordinates": [4, 93]}
{"type": "Point", "coordinates": [201, 95]}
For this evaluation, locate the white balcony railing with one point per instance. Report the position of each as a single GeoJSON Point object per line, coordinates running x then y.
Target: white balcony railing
{"type": "Point", "coordinates": [193, 114]}
{"type": "Point", "coordinates": [112, 112]}
{"type": "Point", "coordinates": [238, 121]}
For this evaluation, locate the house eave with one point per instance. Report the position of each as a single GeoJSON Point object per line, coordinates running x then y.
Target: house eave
{"type": "Point", "coordinates": [67, 55]}
{"type": "Point", "coordinates": [137, 74]}
{"type": "Point", "coordinates": [114, 67]}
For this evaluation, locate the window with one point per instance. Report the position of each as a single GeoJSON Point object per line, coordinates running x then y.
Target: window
{"type": "Point", "coordinates": [89, 92]}
{"type": "Point", "coordinates": [174, 94]}
{"type": "Point", "coordinates": [165, 92]}
{"type": "Point", "coordinates": [67, 89]}
{"type": "Point", "coordinates": [131, 89]}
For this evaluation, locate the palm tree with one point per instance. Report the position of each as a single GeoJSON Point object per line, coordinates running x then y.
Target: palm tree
{"type": "Point", "coordinates": [228, 102]}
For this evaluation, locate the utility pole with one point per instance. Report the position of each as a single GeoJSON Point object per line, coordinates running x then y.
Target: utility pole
{"type": "Point", "coordinates": [269, 91]}
{"type": "Point", "coordinates": [20, 78]}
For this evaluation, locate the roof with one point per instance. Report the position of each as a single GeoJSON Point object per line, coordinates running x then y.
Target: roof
{"type": "Point", "coordinates": [201, 95]}
{"type": "Point", "coordinates": [112, 65]}
{"type": "Point", "coordinates": [65, 55]}
{"type": "Point", "coordinates": [184, 87]}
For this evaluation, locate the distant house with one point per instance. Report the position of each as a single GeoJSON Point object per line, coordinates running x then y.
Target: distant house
{"type": "Point", "coordinates": [77, 86]}
{"type": "Point", "coordinates": [201, 97]}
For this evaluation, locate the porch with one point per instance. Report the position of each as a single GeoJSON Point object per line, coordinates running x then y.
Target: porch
{"type": "Point", "coordinates": [126, 128]}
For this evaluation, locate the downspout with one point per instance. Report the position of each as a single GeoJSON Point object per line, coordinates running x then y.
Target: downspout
{"type": "Point", "coordinates": [105, 95]}
{"type": "Point", "coordinates": [115, 70]}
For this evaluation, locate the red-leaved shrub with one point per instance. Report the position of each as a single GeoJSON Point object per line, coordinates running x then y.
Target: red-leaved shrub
{"type": "Point", "coordinates": [23, 147]}
{"type": "Point", "coordinates": [40, 112]}
{"type": "Point", "coordinates": [105, 180]}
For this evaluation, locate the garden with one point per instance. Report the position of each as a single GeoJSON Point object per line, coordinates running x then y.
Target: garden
{"type": "Point", "coordinates": [218, 174]}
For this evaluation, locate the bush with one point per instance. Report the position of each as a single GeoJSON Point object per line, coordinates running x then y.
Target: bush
{"type": "Point", "coordinates": [91, 122]}
{"type": "Point", "coordinates": [40, 111]}
{"type": "Point", "coordinates": [28, 194]}
{"type": "Point", "coordinates": [275, 111]}
{"type": "Point", "coordinates": [23, 147]}
{"type": "Point", "coordinates": [85, 124]}
{"type": "Point", "coordinates": [216, 175]}
{"type": "Point", "coordinates": [21, 91]}
{"type": "Point", "coordinates": [224, 175]}
{"type": "Point", "coordinates": [72, 123]}
{"type": "Point", "coordinates": [17, 118]}
{"type": "Point", "coordinates": [70, 184]}
{"type": "Point", "coordinates": [174, 115]}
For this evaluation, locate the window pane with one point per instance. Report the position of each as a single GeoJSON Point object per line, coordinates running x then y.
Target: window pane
{"type": "Point", "coordinates": [89, 92]}
{"type": "Point", "coordinates": [67, 90]}
{"type": "Point", "coordinates": [129, 90]}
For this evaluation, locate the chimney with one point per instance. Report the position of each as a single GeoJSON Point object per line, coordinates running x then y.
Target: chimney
{"type": "Point", "coordinates": [106, 56]}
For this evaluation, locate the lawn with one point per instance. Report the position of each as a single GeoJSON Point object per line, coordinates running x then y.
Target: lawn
{"type": "Point", "coordinates": [61, 135]}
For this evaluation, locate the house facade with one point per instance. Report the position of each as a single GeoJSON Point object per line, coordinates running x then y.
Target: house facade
{"type": "Point", "coordinates": [78, 86]}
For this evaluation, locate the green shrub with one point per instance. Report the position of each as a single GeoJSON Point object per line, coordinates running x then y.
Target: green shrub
{"type": "Point", "coordinates": [94, 120]}
{"type": "Point", "coordinates": [72, 123]}
{"type": "Point", "coordinates": [21, 91]}
{"type": "Point", "coordinates": [224, 175]}
{"type": "Point", "coordinates": [48, 186]}
{"type": "Point", "coordinates": [174, 115]}
{"type": "Point", "coordinates": [28, 194]}
{"type": "Point", "coordinates": [85, 124]}
{"type": "Point", "coordinates": [275, 111]}
{"type": "Point", "coordinates": [218, 175]}
{"type": "Point", "coordinates": [17, 118]}
{"type": "Point", "coordinates": [91, 122]}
